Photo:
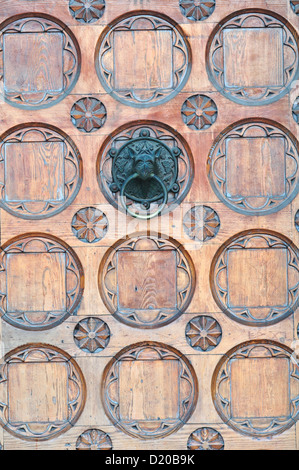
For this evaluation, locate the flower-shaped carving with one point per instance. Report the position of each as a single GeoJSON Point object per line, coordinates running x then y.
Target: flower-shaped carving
{"type": "Point", "coordinates": [203, 333]}
{"type": "Point", "coordinates": [295, 109]}
{"type": "Point", "coordinates": [90, 224]}
{"type": "Point", "coordinates": [201, 223]}
{"type": "Point", "coordinates": [197, 10]}
{"type": "Point", "coordinates": [91, 335]}
{"type": "Point", "coordinates": [88, 114]}
{"type": "Point", "coordinates": [94, 439]}
{"type": "Point", "coordinates": [205, 439]}
{"type": "Point", "coordinates": [295, 6]}
{"type": "Point", "coordinates": [199, 112]}
{"type": "Point", "coordinates": [87, 11]}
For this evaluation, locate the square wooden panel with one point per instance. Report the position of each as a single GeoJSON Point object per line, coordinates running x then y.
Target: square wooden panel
{"type": "Point", "coordinates": [34, 171]}
{"type": "Point", "coordinates": [253, 57]}
{"type": "Point", "coordinates": [147, 279]}
{"type": "Point", "coordinates": [36, 282]}
{"type": "Point", "coordinates": [38, 60]}
{"type": "Point", "coordinates": [144, 392]}
{"type": "Point", "coordinates": [37, 392]}
{"type": "Point", "coordinates": [260, 387]}
{"type": "Point", "coordinates": [148, 61]}
{"type": "Point", "coordinates": [257, 277]}
{"type": "Point", "coordinates": [255, 167]}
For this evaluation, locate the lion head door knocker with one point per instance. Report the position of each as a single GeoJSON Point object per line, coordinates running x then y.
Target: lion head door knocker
{"type": "Point", "coordinates": [144, 170]}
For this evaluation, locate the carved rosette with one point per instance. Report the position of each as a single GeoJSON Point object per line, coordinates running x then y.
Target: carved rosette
{"type": "Point", "coordinates": [68, 389]}
{"type": "Point", "coordinates": [91, 335]}
{"type": "Point", "coordinates": [146, 359]}
{"type": "Point", "coordinates": [203, 333]}
{"type": "Point", "coordinates": [240, 252]}
{"type": "Point", "coordinates": [197, 10]}
{"type": "Point", "coordinates": [205, 439]}
{"type": "Point", "coordinates": [45, 151]}
{"type": "Point", "coordinates": [87, 11]}
{"type": "Point", "coordinates": [201, 223]}
{"type": "Point", "coordinates": [90, 225]}
{"type": "Point", "coordinates": [178, 180]}
{"type": "Point", "coordinates": [163, 260]}
{"type": "Point", "coordinates": [252, 90]}
{"type": "Point", "coordinates": [199, 112]}
{"type": "Point", "coordinates": [57, 72]}
{"type": "Point", "coordinates": [88, 114]}
{"type": "Point", "coordinates": [268, 365]}
{"type": "Point", "coordinates": [94, 439]}
{"type": "Point", "coordinates": [51, 271]}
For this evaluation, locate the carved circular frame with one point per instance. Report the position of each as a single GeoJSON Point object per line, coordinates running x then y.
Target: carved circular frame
{"type": "Point", "coordinates": [72, 166]}
{"type": "Point", "coordinates": [76, 397]}
{"type": "Point", "coordinates": [220, 292]}
{"type": "Point", "coordinates": [216, 71]}
{"type": "Point", "coordinates": [133, 317]}
{"type": "Point", "coordinates": [74, 290]}
{"type": "Point", "coordinates": [158, 131]}
{"type": "Point", "coordinates": [163, 427]}
{"type": "Point", "coordinates": [71, 48]}
{"type": "Point", "coordinates": [241, 204]}
{"type": "Point", "coordinates": [104, 45]}
{"type": "Point", "coordinates": [221, 399]}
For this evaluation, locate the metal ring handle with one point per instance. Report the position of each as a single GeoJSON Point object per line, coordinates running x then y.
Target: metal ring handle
{"type": "Point", "coordinates": [133, 214]}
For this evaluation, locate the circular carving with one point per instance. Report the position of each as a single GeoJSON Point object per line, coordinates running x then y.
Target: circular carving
{"type": "Point", "coordinates": [48, 60]}
{"type": "Point", "coordinates": [87, 11]}
{"type": "Point", "coordinates": [199, 112]}
{"type": "Point", "coordinates": [267, 157]}
{"type": "Point", "coordinates": [152, 41]}
{"type": "Point", "coordinates": [49, 396]}
{"type": "Point", "coordinates": [295, 110]}
{"type": "Point", "coordinates": [295, 6]}
{"type": "Point", "coordinates": [90, 225]}
{"type": "Point", "coordinates": [255, 388]}
{"type": "Point", "coordinates": [297, 221]}
{"type": "Point", "coordinates": [174, 166]}
{"type": "Point", "coordinates": [94, 439]}
{"type": "Point", "coordinates": [88, 114]}
{"type": "Point", "coordinates": [158, 368]}
{"type": "Point", "coordinates": [203, 333]}
{"type": "Point", "coordinates": [240, 274]}
{"type": "Point", "coordinates": [201, 223]}
{"type": "Point", "coordinates": [92, 335]}
{"type": "Point", "coordinates": [205, 439]}
{"type": "Point", "coordinates": [258, 78]}
{"type": "Point", "coordinates": [146, 281]}
{"type": "Point", "coordinates": [41, 281]}
{"type": "Point", "coordinates": [40, 171]}
{"type": "Point", "coordinates": [197, 10]}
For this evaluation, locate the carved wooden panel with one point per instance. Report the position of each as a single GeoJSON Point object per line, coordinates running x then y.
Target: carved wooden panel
{"type": "Point", "coordinates": [135, 390]}
{"type": "Point", "coordinates": [241, 272]}
{"type": "Point", "coordinates": [157, 65]}
{"type": "Point", "coordinates": [266, 157]}
{"type": "Point", "coordinates": [146, 281]}
{"type": "Point", "coordinates": [40, 171]}
{"type": "Point", "coordinates": [46, 55]}
{"type": "Point", "coordinates": [260, 365]}
{"type": "Point", "coordinates": [256, 78]}
{"type": "Point", "coordinates": [41, 281]}
{"type": "Point", "coordinates": [42, 392]}
{"type": "Point", "coordinates": [149, 225]}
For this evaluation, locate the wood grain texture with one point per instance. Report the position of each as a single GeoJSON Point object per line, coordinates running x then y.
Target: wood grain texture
{"type": "Point", "coordinates": [261, 170]}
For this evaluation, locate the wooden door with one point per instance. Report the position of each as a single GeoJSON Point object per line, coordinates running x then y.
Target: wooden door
{"type": "Point", "coordinates": [149, 227]}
